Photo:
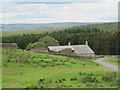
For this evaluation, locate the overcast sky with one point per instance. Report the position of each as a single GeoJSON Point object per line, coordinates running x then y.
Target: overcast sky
{"type": "Point", "coordinates": [59, 1]}
{"type": "Point", "coordinates": [47, 12]}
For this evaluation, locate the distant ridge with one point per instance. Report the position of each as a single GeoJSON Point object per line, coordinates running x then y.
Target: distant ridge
{"type": "Point", "coordinates": [15, 27]}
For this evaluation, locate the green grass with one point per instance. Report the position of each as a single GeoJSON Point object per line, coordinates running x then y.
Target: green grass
{"type": "Point", "coordinates": [0, 68]}
{"type": "Point", "coordinates": [23, 69]}
{"type": "Point", "coordinates": [114, 61]}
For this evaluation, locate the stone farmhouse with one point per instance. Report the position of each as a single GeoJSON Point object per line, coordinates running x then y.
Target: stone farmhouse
{"type": "Point", "coordinates": [79, 50]}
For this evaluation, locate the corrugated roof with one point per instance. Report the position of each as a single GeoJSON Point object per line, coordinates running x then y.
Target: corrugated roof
{"type": "Point", "coordinates": [78, 49]}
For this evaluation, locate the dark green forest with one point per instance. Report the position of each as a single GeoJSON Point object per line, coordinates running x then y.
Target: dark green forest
{"type": "Point", "coordinates": [103, 42]}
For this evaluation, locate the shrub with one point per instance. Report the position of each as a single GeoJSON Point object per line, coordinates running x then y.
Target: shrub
{"type": "Point", "coordinates": [73, 79]}
{"type": "Point", "coordinates": [97, 64]}
{"type": "Point", "coordinates": [88, 79]}
{"type": "Point", "coordinates": [49, 41]}
{"type": "Point", "coordinates": [35, 45]}
{"type": "Point", "coordinates": [93, 85]}
{"type": "Point", "coordinates": [43, 43]}
{"type": "Point", "coordinates": [63, 79]}
{"type": "Point", "coordinates": [109, 77]}
{"type": "Point", "coordinates": [80, 73]}
{"type": "Point", "coordinates": [60, 81]}
{"type": "Point", "coordinates": [41, 80]}
{"type": "Point", "coordinates": [29, 46]}
{"type": "Point", "coordinates": [44, 65]}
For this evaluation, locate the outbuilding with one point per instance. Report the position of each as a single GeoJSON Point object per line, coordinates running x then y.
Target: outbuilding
{"type": "Point", "coordinates": [9, 45]}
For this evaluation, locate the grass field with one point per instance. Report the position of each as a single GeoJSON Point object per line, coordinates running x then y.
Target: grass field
{"type": "Point", "coordinates": [24, 69]}
{"type": "Point", "coordinates": [0, 68]}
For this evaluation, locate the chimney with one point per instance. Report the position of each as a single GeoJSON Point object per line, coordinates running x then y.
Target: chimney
{"type": "Point", "coordinates": [69, 43]}
{"type": "Point", "coordinates": [86, 42]}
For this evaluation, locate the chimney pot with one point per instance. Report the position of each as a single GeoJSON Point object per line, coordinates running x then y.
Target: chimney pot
{"type": "Point", "coordinates": [86, 42]}
{"type": "Point", "coordinates": [69, 43]}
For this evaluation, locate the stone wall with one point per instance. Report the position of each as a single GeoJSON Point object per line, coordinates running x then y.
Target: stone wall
{"type": "Point", "coordinates": [39, 50]}
{"type": "Point", "coordinates": [8, 45]}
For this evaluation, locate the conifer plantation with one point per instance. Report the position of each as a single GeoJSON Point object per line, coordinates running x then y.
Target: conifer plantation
{"type": "Point", "coordinates": [101, 40]}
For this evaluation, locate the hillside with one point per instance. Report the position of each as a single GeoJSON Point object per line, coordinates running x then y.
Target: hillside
{"type": "Point", "coordinates": [33, 31]}
{"type": "Point", "coordinates": [105, 26]}
{"type": "Point", "coordinates": [102, 41]}
{"type": "Point", "coordinates": [16, 27]}
{"type": "Point", "coordinates": [24, 69]}
{"type": "Point", "coordinates": [112, 27]}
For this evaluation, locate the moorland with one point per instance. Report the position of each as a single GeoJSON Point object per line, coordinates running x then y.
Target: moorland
{"type": "Point", "coordinates": [26, 69]}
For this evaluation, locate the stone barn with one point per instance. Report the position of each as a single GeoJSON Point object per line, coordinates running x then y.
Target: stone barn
{"type": "Point", "coordinates": [79, 50]}
{"type": "Point", "coordinates": [9, 45]}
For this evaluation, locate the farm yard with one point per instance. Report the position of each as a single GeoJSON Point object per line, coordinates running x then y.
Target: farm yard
{"type": "Point", "coordinates": [25, 69]}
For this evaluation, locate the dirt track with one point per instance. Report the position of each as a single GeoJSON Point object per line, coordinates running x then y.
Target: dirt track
{"type": "Point", "coordinates": [108, 65]}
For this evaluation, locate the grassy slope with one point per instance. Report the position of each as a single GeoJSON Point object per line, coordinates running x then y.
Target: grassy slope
{"type": "Point", "coordinates": [23, 69]}
{"type": "Point", "coordinates": [104, 26]}
{"type": "Point", "coordinates": [0, 69]}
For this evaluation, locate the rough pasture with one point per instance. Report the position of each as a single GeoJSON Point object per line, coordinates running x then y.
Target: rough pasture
{"type": "Point", "coordinates": [23, 69]}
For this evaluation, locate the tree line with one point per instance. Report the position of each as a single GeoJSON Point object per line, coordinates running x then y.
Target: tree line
{"type": "Point", "coordinates": [102, 42]}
